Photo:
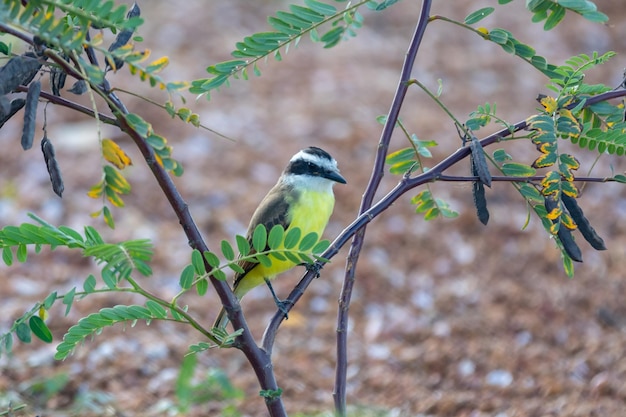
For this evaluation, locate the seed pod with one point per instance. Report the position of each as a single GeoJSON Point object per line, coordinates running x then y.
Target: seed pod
{"type": "Point", "coordinates": [478, 192]}
{"type": "Point", "coordinates": [14, 107]}
{"type": "Point", "coordinates": [52, 166]}
{"type": "Point", "coordinates": [584, 226]}
{"type": "Point", "coordinates": [20, 70]}
{"type": "Point", "coordinates": [569, 245]}
{"type": "Point", "coordinates": [79, 87]}
{"type": "Point", "coordinates": [30, 114]}
{"type": "Point", "coordinates": [480, 162]}
{"type": "Point", "coordinates": [57, 79]}
{"type": "Point", "coordinates": [122, 39]}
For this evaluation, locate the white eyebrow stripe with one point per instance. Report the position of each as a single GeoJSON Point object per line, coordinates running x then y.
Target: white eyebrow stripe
{"type": "Point", "coordinates": [306, 157]}
{"type": "Point", "coordinates": [314, 159]}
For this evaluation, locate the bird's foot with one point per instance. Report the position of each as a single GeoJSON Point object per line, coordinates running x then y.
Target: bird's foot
{"type": "Point", "coordinates": [314, 267]}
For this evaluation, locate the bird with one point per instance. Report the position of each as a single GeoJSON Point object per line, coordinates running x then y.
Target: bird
{"type": "Point", "coordinates": [302, 197]}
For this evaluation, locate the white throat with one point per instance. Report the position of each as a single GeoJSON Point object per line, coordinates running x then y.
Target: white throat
{"type": "Point", "coordinates": [308, 183]}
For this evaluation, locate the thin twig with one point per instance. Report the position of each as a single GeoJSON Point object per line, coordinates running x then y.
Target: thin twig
{"type": "Point", "coordinates": [341, 367]}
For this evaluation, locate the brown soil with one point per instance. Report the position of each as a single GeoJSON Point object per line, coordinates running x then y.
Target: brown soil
{"type": "Point", "coordinates": [449, 318]}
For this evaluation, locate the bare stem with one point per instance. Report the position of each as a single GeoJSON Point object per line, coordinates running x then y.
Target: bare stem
{"type": "Point", "coordinates": [341, 367]}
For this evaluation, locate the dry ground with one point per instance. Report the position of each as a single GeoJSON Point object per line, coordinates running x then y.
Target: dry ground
{"type": "Point", "coordinates": [449, 318]}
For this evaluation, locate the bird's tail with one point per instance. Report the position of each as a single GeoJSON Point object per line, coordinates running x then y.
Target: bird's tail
{"type": "Point", "coordinates": [222, 320]}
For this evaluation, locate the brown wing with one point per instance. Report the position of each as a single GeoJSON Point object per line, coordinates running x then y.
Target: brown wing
{"type": "Point", "coordinates": [273, 209]}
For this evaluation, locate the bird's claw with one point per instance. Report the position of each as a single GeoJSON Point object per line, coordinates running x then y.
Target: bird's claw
{"type": "Point", "coordinates": [314, 267]}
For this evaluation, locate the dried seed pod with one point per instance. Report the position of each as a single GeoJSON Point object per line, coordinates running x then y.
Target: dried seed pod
{"type": "Point", "coordinates": [122, 39]}
{"type": "Point", "coordinates": [569, 245]}
{"type": "Point", "coordinates": [584, 226]}
{"type": "Point", "coordinates": [30, 114]}
{"type": "Point", "coordinates": [52, 166]}
{"type": "Point", "coordinates": [12, 108]}
{"type": "Point", "coordinates": [57, 79]}
{"type": "Point", "coordinates": [79, 87]}
{"type": "Point", "coordinates": [478, 192]}
{"type": "Point", "coordinates": [20, 70]}
{"type": "Point", "coordinates": [480, 162]}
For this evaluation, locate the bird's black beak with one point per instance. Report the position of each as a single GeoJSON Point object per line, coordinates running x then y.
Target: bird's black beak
{"type": "Point", "coordinates": [335, 176]}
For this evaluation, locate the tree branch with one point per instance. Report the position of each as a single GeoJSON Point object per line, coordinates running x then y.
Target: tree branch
{"type": "Point", "coordinates": [259, 359]}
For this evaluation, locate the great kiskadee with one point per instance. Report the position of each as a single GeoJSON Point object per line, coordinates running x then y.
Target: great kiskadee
{"type": "Point", "coordinates": [303, 197]}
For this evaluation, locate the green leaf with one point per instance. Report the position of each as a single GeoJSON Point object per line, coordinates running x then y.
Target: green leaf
{"type": "Point", "coordinates": [332, 37]}
{"type": "Point", "coordinates": [500, 156]}
{"type": "Point", "coordinates": [139, 125]}
{"type": "Point", "coordinates": [321, 246]}
{"type": "Point", "coordinates": [383, 4]}
{"type": "Point", "coordinates": [568, 266]}
{"type": "Point", "coordinates": [198, 262]}
{"type": "Point", "coordinates": [68, 299]}
{"type": "Point", "coordinates": [292, 238]}
{"type": "Point", "coordinates": [620, 178]}
{"type": "Point", "coordinates": [186, 277]}
{"type": "Point", "coordinates": [7, 256]}
{"type": "Point", "coordinates": [8, 342]}
{"type": "Point", "coordinates": [515, 169]}
{"type": "Point", "coordinates": [227, 250]}
{"type": "Point", "coordinates": [50, 300]}
{"type": "Point", "coordinates": [22, 331]}
{"type": "Point", "coordinates": [90, 284]}
{"type": "Point", "coordinates": [321, 8]}
{"type": "Point", "coordinates": [293, 20]}
{"type": "Point", "coordinates": [22, 253]}
{"type": "Point", "coordinates": [278, 255]}
{"type": "Point", "coordinates": [557, 15]}
{"type": "Point", "coordinates": [212, 259]}
{"type": "Point", "coordinates": [264, 260]}
{"type": "Point", "coordinates": [306, 13]}
{"type": "Point", "coordinates": [499, 36]}
{"type": "Point", "coordinates": [478, 15]}
{"type": "Point", "coordinates": [275, 238]}
{"type": "Point", "coordinates": [524, 51]}
{"type": "Point", "coordinates": [431, 214]}
{"type": "Point", "coordinates": [219, 274]}
{"type": "Point", "coordinates": [243, 246]}
{"type": "Point", "coordinates": [402, 155]}
{"type": "Point", "coordinates": [93, 324]}
{"type": "Point", "coordinates": [530, 193]}
{"type": "Point", "coordinates": [259, 238]}
{"type": "Point", "coordinates": [236, 268]}
{"type": "Point", "coordinates": [108, 217]}
{"type": "Point", "coordinates": [40, 329]}
{"type": "Point", "coordinates": [202, 286]}
{"type": "Point", "coordinates": [156, 309]}
{"type": "Point", "coordinates": [308, 241]}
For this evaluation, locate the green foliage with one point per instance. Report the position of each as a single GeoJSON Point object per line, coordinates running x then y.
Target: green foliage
{"type": "Point", "coordinates": [478, 15]}
{"type": "Point", "coordinates": [44, 19]}
{"type": "Point", "coordinates": [510, 44]}
{"type": "Point", "coordinates": [94, 323]}
{"type": "Point", "coordinates": [288, 27]}
{"type": "Point", "coordinates": [262, 247]}
{"type": "Point", "coordinates": [214, 387]}
{"type": "Point", "coordinates": [553, 12]}
{"type": "Point", "coordinates": [432, 207]}
{"type": "Point", "coordinates": [118, 262]}
{"type": "Point", "coordinates": [484, 115]}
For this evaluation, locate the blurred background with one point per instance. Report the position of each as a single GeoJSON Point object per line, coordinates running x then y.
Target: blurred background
{"type": "Point", "coordinates": [449, 317]}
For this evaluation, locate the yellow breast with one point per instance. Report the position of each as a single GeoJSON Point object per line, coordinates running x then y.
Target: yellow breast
{"type": "Point", "coordinates": [310, 212]}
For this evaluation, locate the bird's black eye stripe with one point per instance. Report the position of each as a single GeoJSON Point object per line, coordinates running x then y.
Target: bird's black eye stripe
{"type": "Point", "coordinates": [302, 167]}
